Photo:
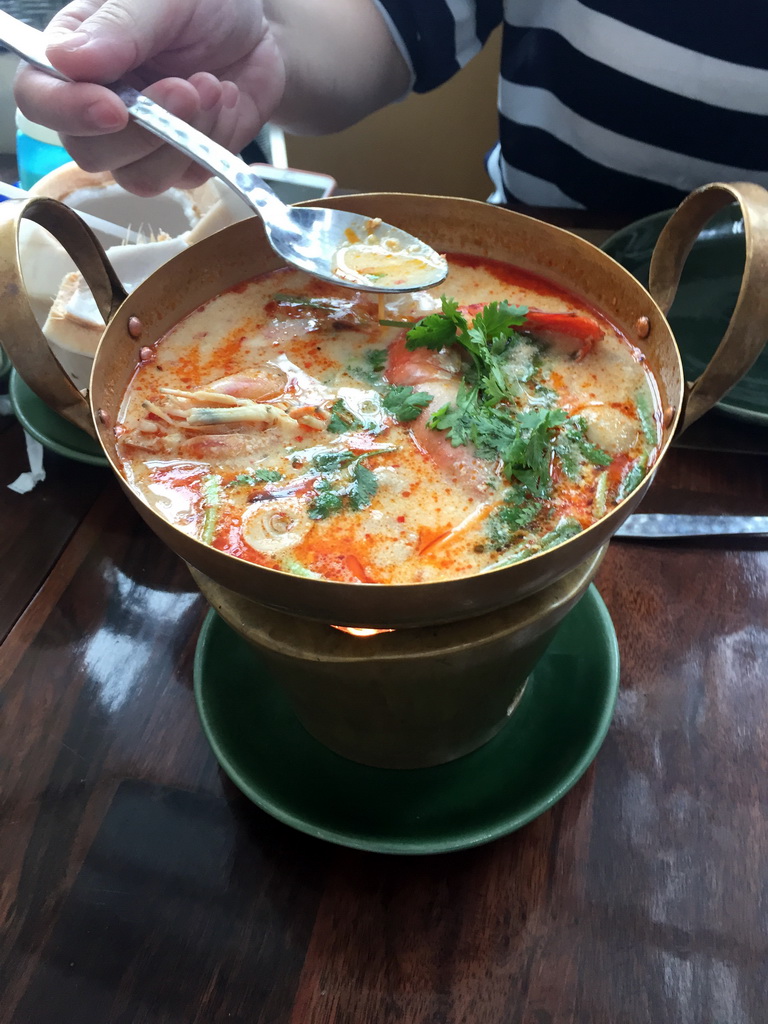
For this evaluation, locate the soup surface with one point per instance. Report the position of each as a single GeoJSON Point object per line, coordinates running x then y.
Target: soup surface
{"type": "Point", "coordinates": [320, 431]}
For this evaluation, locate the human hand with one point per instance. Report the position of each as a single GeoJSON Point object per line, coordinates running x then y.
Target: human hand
{"type": "Point", "coordinates": [213, 63]}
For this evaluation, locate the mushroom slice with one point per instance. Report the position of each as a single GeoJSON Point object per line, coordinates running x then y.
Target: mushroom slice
{"type": "Point", "coordinates": [274, 527]}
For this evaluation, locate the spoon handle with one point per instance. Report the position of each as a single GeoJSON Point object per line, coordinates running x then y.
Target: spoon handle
{"type": "Point", "coordinates": [204, 151]}
{"type": "Point", "coordinates": [29, 44]}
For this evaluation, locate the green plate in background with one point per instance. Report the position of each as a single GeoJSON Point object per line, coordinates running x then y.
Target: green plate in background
{"type": "Point", "coordinates": [50, 429]}
{"type": "Point", "coordinates": [543, 750]}
{"type": "Point", "coordinates": [705, 299]}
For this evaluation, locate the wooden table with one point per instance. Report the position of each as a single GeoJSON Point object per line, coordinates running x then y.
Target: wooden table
{"type": "Point", "coordinates": [138, 885]}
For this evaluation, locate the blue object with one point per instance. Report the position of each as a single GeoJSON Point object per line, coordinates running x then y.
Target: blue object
{"type": "Point", "coordinates": [38, 151]}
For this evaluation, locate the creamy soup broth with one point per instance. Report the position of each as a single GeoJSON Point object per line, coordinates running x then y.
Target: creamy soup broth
{"type": "Point", "coordinates": [283, 423]}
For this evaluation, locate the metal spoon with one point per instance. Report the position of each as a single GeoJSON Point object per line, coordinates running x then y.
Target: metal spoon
{"type": "Point", "coordinates": [335, 245]}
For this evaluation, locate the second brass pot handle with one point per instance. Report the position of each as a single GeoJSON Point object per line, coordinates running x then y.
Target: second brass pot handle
{"type": "Point", "coordinates": [747, 330]}
{"type": "Point", "coordinates": [23, 339]}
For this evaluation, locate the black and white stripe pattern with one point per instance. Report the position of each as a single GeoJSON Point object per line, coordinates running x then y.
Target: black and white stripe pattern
{"type": "Point", "coordinates": [612, 104]}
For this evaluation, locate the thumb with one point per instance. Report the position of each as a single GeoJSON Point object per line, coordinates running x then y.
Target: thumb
{"type": "Point", "coordinates": [102, 40]}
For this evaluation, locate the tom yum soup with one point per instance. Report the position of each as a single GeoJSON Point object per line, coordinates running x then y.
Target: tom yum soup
{"type": "Point", "coordinates": [312, 429]}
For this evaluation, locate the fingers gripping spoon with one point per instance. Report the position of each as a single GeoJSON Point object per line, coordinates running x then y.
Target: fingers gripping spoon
{"type": "Point", "coordinates": [335, 245]}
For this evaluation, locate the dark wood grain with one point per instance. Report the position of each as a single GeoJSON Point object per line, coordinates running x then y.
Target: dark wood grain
{"type": "Point", "coordinates": [34, 532]}
{"type": "Point", "coordinates": [139, 887]}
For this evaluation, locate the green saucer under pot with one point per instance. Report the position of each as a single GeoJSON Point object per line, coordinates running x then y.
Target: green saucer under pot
{"type": "Point", "coordinates": [545, 747]}
{"type": "Point", "coordinates": [50, 429]}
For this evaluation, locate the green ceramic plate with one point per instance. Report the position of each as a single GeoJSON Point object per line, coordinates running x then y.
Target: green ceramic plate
{"type": "Point", "coordinates": [50, 429]}
{"type": "Point", "coordinates": [547, 745]}
{"type": "Point", "coordinates": [705, 299]}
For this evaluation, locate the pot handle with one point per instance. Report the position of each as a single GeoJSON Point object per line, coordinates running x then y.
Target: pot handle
{"type": "Point", "coordinates": [23, 339]}
{"type": "Point", "coordinates": [747, 330]}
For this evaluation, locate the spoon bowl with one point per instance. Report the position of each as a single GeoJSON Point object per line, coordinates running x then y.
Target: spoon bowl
{"type": "Point", "coordinates": [357, 252]}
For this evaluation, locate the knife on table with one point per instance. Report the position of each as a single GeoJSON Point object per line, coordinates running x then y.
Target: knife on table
{"type": "Point", "coordinates": [661, 526]}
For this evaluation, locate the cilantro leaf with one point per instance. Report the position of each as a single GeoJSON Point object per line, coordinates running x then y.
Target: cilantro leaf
{"type": "Point", "coordinates": [255, 476]}
{"type": "Point", "coordinates": [363, 487]}
{"type": "Point", "coordinates": [530, 462]}
{"type": "Point", "coordinates": [331, 498]}
{"type": "Point", "coordinates": [438, 330]}
{"type": "Point", "coordinates": [457, 420]}
{"type": "Point", "coordinates": [487, 340]}
{"type": "Point", "coordinates": [523, 442]}
{"type": "Point", "coordinates": [376, 359]}
{"type": "Point", "coordinates": [405, 403]}
{"type": "Point", "coordinates": [342, 418]}
{"type": "Point", "coordinates": [485, 412]}
{"type": "Point", "coordinates": [490, 335]}
{"type": "Point", "coordinates": [326, 501]}
{"type": "Point", "coordinates": [492, 327]}
{"type": "Point", "coordinates": [498, 318]}
{"type": "Point", "coordinates": [495, 433]}
{"type": "Point", "coordinates": [332, 462]}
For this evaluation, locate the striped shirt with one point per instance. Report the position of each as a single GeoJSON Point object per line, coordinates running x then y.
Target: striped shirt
{"type": "Point", "coordinates": [612, 105]}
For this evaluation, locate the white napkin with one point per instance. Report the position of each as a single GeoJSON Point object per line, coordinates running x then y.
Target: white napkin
{"type": "Point", "coordinates": [26, 481]}
{"type": "Point", "coordinates": [36, 474]}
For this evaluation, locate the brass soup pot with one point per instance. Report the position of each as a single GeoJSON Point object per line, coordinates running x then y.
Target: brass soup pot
{"type": "Point", "coordinates": [241, 251]}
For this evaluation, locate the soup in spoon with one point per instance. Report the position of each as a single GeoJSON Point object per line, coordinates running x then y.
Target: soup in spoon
{"type": "Point", "coordinates": [315, 430]}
